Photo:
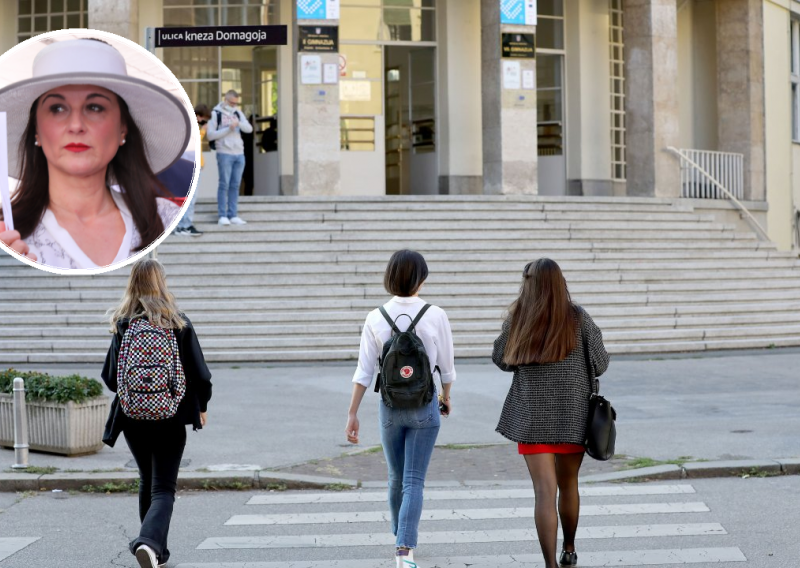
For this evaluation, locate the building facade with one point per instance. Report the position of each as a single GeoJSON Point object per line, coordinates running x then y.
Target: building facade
{"type": "Point", "coordinates": [426, 101]}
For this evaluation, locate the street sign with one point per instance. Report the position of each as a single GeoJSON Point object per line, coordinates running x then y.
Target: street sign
{"type": "Point", "coordinates": [220, 36]}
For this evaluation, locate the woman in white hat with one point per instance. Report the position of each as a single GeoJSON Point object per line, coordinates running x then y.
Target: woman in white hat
{"type": "Point", "coordinates": [90, 140]}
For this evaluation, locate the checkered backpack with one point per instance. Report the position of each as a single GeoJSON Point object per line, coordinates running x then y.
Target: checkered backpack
{"type": "Point", "coordinates": [150, 379]}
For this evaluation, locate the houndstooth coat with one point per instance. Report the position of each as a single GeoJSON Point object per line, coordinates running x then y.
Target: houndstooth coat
{"type": "Point", "coordinates": [548, 403]}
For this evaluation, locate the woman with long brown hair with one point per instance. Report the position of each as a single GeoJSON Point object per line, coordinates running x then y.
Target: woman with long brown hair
{"type": "Point", "coordinates": [86, 141]}
{"type": "Point", "coordinates": [546, 409]}
{"type": "Point", "coordinates": [156, 367]}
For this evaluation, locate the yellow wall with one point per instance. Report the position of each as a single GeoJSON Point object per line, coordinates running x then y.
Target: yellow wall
{"type": "Point", "coordinates": [8, 25]}
{"type": "Point", "coordinates": [777, 65]}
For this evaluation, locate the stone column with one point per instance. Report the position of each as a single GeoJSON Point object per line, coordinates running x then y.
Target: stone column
{"type": "Point", "coordinates": [740, 85]}
{"type": "Point", "coordinates": [651, 71]}
{"type": "Point", "coordinates": [510, 136]}
{"type": "Point", "coordinates": [317, 154]}
{"type": "Point", "coordinates": [120, 17]}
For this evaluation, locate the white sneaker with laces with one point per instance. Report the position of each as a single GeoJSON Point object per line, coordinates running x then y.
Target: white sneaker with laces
{"type": "Point", "coordinates": [224, 221]}
{"type": "Point", "coordinates": [146, 557]}
{"type": "Point", "coordinates": [238, 221]}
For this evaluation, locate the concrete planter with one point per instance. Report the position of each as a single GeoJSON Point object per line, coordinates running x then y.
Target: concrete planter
{"type": "Point", "coordinates": [67, 429]}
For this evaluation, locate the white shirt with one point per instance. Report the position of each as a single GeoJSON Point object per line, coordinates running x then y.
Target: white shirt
{"type": "Point", "coordinates": [54, 246]}
{"type": "Point", "coordinates": [433, 329]}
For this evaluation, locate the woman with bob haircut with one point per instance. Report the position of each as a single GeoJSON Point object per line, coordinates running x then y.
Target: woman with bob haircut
{"type": "Point", "coordinates": [156, 444]}
{"type": "Point", "coordinates": [547, 405]}
{"type": "Point", "coordinates": [90, 140]}
{"type": "Point", "coordinates": [408, 434]}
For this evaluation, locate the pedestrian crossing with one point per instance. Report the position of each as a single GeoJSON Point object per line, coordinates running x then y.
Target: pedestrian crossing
{"type": "Point", "coordinates": [621, 525]}
{"type": "Point", "coordinates": [12, 545]}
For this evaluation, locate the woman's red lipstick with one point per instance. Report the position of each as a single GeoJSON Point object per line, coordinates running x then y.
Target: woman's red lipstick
{"type": "Point", "coordinates": [76, 147]}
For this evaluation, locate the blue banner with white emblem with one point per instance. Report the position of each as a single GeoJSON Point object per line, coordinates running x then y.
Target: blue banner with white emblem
{"type": "Point", "coordinates": [317, 9]}
{"type": "Point", "coordinates": [518, 12]}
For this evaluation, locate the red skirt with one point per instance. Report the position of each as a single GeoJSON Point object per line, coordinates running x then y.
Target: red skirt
{"type": "Point", "coordinates": [527, 449]}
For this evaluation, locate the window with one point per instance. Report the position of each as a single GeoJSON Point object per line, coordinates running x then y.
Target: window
{"type": "Point", "coordinates": [388, 20]}
{"type": "Point", "coordinates": [795, 74]}
{"type": "Point", "coordinates": [208, 72]}
{"type": "Point", "coordinates": [618, 159]}
{"type": "Point", "coordinates": [36, 17]}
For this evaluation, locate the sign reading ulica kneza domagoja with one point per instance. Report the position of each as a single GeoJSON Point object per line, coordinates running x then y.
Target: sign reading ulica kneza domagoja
{"type": "Point", "coordinates": [215, 36]}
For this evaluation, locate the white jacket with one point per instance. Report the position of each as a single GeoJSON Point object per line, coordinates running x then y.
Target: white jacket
{"type": "Point", "coordinates": [227, 141]}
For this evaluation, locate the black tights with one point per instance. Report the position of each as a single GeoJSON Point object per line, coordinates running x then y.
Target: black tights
{"type": "Point", "coordinates": [548, 473]}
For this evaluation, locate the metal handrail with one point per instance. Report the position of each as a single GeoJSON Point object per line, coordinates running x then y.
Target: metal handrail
{"type": "Point", "coordinates": [724, 189]}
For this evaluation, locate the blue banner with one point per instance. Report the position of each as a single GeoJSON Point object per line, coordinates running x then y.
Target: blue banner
{"type": "Point", "coordinates": [311, 10]}
{"type": "Point", "coordinates": [512, 12]}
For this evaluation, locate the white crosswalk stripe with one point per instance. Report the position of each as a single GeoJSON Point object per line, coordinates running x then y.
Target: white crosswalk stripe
{"type": "Point", "coordinates": [464, 494]}
{"type": "Point", "coordinates": [12, 545]}
{"type": "Point", "coordinates": [309, 527]}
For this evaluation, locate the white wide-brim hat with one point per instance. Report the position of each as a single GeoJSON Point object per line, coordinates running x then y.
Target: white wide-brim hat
{"type": "Point", "coordinates": [161, 118]}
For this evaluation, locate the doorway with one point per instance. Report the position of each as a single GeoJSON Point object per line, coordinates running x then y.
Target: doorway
{"type": "Point", "coordinates": [551, 126]}
{"type": "Point", "coordinates": [266, 161]}
{"type": "Point", "coordinates": [410, 121]}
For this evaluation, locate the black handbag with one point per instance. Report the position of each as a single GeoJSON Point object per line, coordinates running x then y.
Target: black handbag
{"type": "Point", "coordinates": [601, 432]}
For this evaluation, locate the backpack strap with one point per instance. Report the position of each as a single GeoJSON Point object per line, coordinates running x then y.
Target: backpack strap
{"type": "Point", "coordinates": [419, 317]}
{"type": "Point", "coordinates": [389, 319]}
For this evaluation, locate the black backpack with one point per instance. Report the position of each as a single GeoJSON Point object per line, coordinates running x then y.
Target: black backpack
{"type": "Point", "coordinates": [405, 379]}
{"type": "Point", "coordinates": [213, 143]}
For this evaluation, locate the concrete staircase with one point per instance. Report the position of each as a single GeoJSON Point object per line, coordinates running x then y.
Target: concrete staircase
{"type": "Point", "coordinates": [296, 283]}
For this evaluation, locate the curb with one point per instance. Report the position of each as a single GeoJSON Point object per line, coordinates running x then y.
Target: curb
{"type": "Point", "coordinates": [192, 480]}
{"type": "Point", "coordinates": [272, 480]}
{"type": "Point", "coordinates": [703, 470]}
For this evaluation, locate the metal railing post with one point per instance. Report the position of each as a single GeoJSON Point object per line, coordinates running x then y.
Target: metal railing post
{"type": "Point", "coordinates": [20, 426]}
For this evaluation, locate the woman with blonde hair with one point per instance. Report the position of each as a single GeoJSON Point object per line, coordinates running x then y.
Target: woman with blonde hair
{"type": "Point", "coordinates": [156, 367]}
{"type": "Point", "coordinates": [546, 409]}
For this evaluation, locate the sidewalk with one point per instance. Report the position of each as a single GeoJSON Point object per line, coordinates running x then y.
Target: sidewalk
{"type": "Point", "coordinates": [290, 420]}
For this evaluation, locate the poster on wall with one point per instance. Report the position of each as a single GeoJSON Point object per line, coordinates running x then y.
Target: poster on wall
{"type": "Point", "coordinates": [518, 12]}
{"type": "Point", "coordinates": [512, 75]}
{"type": "Point", "coordinates": [317, 9]}
{"type": "Point", "coordinates": [330, 74]}
{"type": "Point", "coordinates": [528, 80]}
{"type": "Point", "coordinates": [310, 70]}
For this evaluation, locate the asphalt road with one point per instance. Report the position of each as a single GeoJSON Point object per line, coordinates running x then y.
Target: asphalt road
{"type": "Point", "coordinates": [756, 521]}
{"type": "Point", "coordinates": [733, 405]}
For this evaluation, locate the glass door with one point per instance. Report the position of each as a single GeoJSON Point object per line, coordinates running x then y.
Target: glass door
{"type": "Point", "coordinates": [551, 126]}
{"type": "Point", "coordinates": [266, 162]}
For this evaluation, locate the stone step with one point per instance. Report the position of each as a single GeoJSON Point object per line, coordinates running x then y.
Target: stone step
{"type": "Point", "coordinates": [326, 299]}
{"type": "Point", "coordinates": [279, 215]}
{"type": "Point", "coordinates": [461, 339]}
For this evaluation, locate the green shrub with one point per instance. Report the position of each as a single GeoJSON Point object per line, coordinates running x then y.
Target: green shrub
{"type": "Point", "coordinates": [41, 386]}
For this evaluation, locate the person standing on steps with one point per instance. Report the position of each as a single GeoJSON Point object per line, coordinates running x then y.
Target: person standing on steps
{"type": "Point", "coordinates": [547, 405]}
{"type": "Point", "coordinates": [224, 130]}
{"type": "Point", "coordinates": [186, 224]}
{"type": "Point", "coordinates": [409, 409]}
{"type": "Point", "coordinates": [156, 367]}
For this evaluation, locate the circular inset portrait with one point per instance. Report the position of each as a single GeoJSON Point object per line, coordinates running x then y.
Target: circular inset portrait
{"type": "Point", "coordinates": [94, 126]}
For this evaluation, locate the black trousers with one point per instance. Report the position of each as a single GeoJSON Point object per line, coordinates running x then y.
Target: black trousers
{"type": "Point", "coordinates": [157, 448]}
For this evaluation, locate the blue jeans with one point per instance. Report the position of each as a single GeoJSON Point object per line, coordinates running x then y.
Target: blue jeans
{"type": "Point", "coordinates": [408, 437]}
{"type": "Point", "coordinates": [186, 220]}
{"type": "Point", "coordinates": [231, 168]}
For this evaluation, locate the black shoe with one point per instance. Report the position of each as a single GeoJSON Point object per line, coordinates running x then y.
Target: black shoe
{"type": "Point", "coordinates": [568, 558]}
{"type": "Point", "coordinates": [191, 231]}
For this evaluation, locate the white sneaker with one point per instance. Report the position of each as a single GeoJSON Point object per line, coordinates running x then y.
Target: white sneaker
{"type": "Point", "coordinates": [146, 557]}
{"type": "Point", "coordinates": [406, 561]}
{"type": "Point", "coordinates": [238, 221]}
{"type": "Point", "coordinates": [224, 221]}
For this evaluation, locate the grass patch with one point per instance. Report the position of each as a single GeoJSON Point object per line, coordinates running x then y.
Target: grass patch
{"type": "Point", "coordinates": [35, 469]}
{"type": "Point", "coordinates": [466, 446]}
{"type": "Point", "coordinates": [638, 463]}
{"type": "Point", "coordinates": [112, 487]}
{"type": "Point", "coordinates": [755, 472]}
{"type": "Point", "coordinates": [337, 487]}
{"type": "Point", "coordinates": [223, 485]}
{"type": "Point", "coordinates": [276, 487]}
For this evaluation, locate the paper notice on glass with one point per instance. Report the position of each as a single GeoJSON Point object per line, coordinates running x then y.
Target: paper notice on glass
{"type": "Point", "coordinates": [530, 12]}
{"type": "Point", "coordinates": [5, 192]}
{"type": "Point", "coordinates": [332, 13]}
{"type": "Point", "coordinates": [512, 75]}
{"type": "Point", "coordinates": [527, 80]}
{"type": "Point", "coordinates": [355, 91]}
{"type": "Point", "coordinates": [310, 69]}
{"type": "Point", "coordinates": [330, 73]}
